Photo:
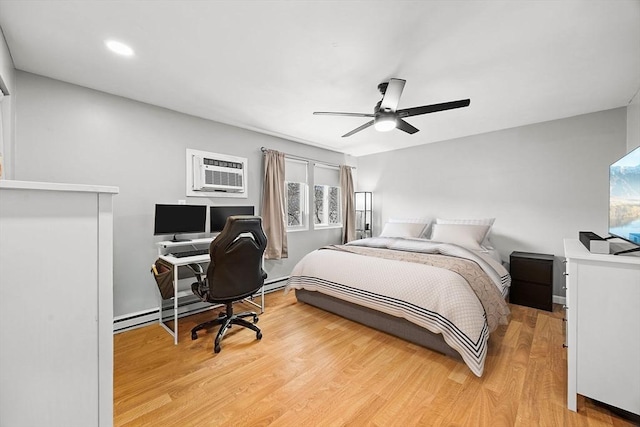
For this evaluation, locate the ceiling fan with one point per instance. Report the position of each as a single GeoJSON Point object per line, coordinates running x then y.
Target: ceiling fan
{"type": "Point", "coordinates": [385, 114]}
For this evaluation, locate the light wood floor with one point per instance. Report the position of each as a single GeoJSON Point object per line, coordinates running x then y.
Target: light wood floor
{"type": "Point", "coordinates": [313, 368]}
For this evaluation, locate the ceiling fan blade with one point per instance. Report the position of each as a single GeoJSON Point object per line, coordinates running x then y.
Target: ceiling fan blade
{"type": "Point", "coordinates": [364, 126]}
{"type": "Point", "coordinates": [402, 125]}
{"type": "Point", "coordinates": [391, 96]}
{"type": "Point", "coordinates": [328, 113]}
{"type": "Point", "coordinates": [416, 111]}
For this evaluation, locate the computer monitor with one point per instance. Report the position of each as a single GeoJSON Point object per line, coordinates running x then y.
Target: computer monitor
{"type": "Point", "coordinates": [218, 215]}
{"type": "Point", "coordinates": [177, 219]}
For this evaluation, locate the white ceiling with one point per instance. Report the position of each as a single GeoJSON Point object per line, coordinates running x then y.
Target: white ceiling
{"type": "Point", "coordinates": [267, 65]}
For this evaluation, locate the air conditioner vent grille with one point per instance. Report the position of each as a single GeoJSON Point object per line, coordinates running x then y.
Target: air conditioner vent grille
{"type": "Point", "coordinates": [228, 179]}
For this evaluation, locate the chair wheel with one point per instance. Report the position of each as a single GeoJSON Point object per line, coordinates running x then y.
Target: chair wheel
{"type": "Point", "coordinates": [259, 335]}
{"type": "Point", "coordinates": [194, 336]}
{"type": "Point", "coordinates": [217, 349]}
{"type": "Point", "coordinates": [255, 319]}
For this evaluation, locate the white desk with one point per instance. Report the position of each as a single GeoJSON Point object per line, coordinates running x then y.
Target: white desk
{"type": "Point", "coordinates": [164, 250]}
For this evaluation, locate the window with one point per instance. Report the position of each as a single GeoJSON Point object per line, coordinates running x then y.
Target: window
{"type": "Point", "coordinates": [326, 200]}
{"type": "Point", "coordinates": [295, 192]}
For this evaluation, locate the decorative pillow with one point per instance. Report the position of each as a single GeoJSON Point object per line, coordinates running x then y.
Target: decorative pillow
{"type": "Point", "coordinates": [481, 221]}
{"type": "Point", "coordinates": [403, 229]}
{"type": "Point", "coordinates": [424, 221]}
{"type": "Point", "coordinates": [466, 235]}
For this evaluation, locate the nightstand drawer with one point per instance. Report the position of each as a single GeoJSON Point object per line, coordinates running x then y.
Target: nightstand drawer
{"type": "Point", "coordinates": [531, 280]}
{"type": "Point", "coordinates": [538, 269]}
{"type": "Point", "coordinates": [531, 294]}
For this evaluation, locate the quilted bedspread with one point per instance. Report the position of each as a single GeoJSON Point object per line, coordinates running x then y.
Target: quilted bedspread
{"type": "Point", "coordinates": [441, 287]}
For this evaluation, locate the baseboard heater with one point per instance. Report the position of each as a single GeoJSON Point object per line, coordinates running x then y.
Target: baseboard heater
{"type": "Point", "coordinates": [187, 308]}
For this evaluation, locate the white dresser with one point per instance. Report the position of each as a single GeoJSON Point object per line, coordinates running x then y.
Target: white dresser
{"type": "Point", "coordinates": [603, 327]}
{"type": "Point", "coordinates": [56, 304]}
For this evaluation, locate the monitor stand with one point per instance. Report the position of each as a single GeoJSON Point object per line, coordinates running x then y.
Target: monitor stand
{"type": "Point", "coordinates": [175, 239]}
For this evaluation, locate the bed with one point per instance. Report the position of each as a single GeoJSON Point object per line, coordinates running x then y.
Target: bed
{"type": "Point", "coordinates": [446, 293]}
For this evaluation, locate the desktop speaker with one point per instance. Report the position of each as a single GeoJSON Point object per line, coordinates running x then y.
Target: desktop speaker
{"type": "Point", "coordinates": [594, 243]}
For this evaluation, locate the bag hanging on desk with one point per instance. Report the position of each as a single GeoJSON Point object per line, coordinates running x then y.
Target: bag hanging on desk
{"type": "Point", "coordinates": [163, 273]}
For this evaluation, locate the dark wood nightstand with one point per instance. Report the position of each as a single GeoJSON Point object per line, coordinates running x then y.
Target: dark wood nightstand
{"type": "Point", "coordinates": [531, 280]}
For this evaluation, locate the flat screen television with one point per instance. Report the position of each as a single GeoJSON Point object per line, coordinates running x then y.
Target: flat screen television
{"type": "Point", "coordinates": [624, 198]}
{"type": "Point", "coordinates": [218, 215]}
{"type": "Point", "coordinates": [178, 219]}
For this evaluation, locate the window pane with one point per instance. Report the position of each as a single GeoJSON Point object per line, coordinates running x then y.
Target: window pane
{"type": "Point", "coordinates": [334, 205]}
{"type": "Point", "coordinates": [294, 205]}
{"type": "Point", "coordinates": [318, 204]}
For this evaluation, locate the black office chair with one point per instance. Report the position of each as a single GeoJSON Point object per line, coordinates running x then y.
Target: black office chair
{"type": "Point", "coordinates": [234, 273]}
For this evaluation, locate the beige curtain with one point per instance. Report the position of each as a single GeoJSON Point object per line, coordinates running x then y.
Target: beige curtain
{"type": "Point", "coordinates": [273, 213]}
{"type": "Point", "coordinates": [348, 205]}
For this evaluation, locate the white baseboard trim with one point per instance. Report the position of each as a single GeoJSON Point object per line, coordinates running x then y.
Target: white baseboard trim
{"type": "Point", "coordinates": [275, 284]}
{"type": "Point", "coordinates": [557, 299]}
{"type": "Point", "coordinates": [191, 306]}
{"type": "Point", "coordinates": [132, 320]}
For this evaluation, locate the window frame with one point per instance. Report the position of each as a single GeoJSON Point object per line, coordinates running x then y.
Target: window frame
{"type": "Point", "coordinates": [326, 190]}
{"type": "Point", "coordinates": [325, 203]}
{"type": "Point", "coordinates": [304, 197]}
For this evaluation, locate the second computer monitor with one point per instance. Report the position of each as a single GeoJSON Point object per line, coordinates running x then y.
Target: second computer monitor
{"type": "Point", "coordinates": [218, 215]}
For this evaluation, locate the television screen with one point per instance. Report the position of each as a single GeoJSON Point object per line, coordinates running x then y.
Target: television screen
{"type": "Point", "coordinates": [218, 215]}
{"type": "Point", "coordinates": [175, 219]}
{"type": "Point", "coordinates": [624, 197]}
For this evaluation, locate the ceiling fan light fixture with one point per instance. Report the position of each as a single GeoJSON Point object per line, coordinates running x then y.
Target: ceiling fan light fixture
{"type": "Point", "coordinates": [385, 123]}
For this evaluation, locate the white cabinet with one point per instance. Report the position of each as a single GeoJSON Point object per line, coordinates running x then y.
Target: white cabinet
{"type": "Point", "coordinates": [56, 304]}
{"type": "Point", "coordinates": [603, 327]}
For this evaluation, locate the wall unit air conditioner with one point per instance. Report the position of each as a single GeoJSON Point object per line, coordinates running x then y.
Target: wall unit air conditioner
{"type": "Point", "coordinates": [216, 175]}
{"type": "Point", "coordinates": [219, 173]}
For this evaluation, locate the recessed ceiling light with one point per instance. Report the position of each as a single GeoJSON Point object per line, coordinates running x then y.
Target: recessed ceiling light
{"type": "Point", "coordinates": [119, 48]}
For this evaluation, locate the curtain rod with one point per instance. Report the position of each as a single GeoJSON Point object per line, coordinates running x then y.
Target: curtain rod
{"type": "Point", "coordinates": [306, 159]}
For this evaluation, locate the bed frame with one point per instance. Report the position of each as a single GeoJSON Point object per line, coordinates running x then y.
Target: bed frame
{"type": "Point", "coordinates": [395, 326]}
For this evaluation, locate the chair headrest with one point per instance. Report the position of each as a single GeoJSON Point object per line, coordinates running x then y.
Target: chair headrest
{"type": "Point", "coordinates": [235, 270]}
{"type": "Point", "coordinates": [241, 224]}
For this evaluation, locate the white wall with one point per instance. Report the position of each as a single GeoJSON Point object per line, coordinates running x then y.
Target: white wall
{"type": "Point", "coordinates": [633, 123]}
{"type": "Point", "coordinates": [67, 133]}
{"type": "Point", "coordinates": [542, 182]}
{"type": "Point", "coordinates": [6, 108]}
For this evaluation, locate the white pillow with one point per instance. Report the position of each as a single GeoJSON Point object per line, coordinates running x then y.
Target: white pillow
{"type": "Point", "coordinates": [425, 221]}
{"type": "Point", "coordinates": [481, 221]}
{"type": "Point", "coordinates": [411, 220]}
{"type": "Point", "coordinates": [403, 229]}
{"type": "Point", "coordinates": [466, 235]}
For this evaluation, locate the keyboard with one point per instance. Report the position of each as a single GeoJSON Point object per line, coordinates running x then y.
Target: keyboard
{"type": "Point", "coordinates": [191, 253]}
